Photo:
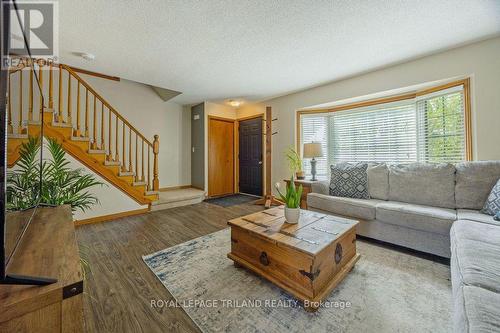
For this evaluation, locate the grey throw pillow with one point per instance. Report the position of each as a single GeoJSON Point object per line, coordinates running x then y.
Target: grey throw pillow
{"type": "Point", "coordinates": [492, 204]}
{"type": "Point", "coordinates": [349, 180]}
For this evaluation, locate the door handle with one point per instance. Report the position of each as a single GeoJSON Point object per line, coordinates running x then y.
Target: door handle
{"type": "Point", "coordinates": [260, 162]}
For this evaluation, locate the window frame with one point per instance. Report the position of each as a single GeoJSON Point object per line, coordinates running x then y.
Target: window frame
{"type": "Point", "coordinates": [407, 96]}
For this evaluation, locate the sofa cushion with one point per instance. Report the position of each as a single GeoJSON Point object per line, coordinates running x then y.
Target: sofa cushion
{"type": "Point", "coordinates": [357, 208]}
{"type": "Point", "coordinates": [474, 183]}
{"type": "Point", "coordinates": [492, 204]}
{"type": "Point", "coordinates": [378, 181]}
{"type": "Point", "coordinates": [476, 310]}
{"type": "Point", "coordinates": [425, 218]}
{"type": "Point", "coordinates": [423, 184]}
{"type": "Point", "coordinates": [349, 180]}
{"type": "Point", "coordinates": [476, 215]}
{"type": "Point", "coordinates": [321, 187]}
{"type": "Point", "coordinates": [478, 263]}
{"type": "Point", "coordinates": [473, 230]}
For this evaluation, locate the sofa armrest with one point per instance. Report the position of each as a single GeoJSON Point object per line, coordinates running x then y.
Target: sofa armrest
{"type": "Point", "coordinates": [322, 187]}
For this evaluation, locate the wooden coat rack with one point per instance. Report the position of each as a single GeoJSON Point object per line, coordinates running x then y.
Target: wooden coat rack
{"type": "Point", "coordinates": [269, 198]}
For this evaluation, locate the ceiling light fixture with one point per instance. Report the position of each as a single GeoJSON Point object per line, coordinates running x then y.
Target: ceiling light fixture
{"type": "Point", "coordinates": [234, 103]}
{"type": "Point", "coordinates": [88, 56]}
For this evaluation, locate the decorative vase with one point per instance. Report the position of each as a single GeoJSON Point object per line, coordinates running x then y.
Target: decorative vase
{"type": "Point", "coordinates": [292, 215]}
{"type": "Point", "coordinates": [300, 175]}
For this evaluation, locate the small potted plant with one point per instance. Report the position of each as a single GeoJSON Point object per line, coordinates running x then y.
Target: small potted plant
{"type": "Point", "coordinates": [294, 162]}
{"type": "Point", "coordinates": [292, 201]}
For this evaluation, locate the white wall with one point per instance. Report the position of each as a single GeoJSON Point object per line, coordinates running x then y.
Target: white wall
{"type": "Point", "coordinates": [111, 199]}
{"type": "Point", "coordinates": [480, 61]}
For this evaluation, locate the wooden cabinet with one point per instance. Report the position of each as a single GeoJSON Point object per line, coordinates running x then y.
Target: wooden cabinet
{"type": "Point", "coordinates": [47, 249]}
{"type": "Point", "coordinates": [306, 188]}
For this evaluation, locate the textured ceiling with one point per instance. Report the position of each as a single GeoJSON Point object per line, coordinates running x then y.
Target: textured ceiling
{"type": "Point", "coordinates": [217, 49]}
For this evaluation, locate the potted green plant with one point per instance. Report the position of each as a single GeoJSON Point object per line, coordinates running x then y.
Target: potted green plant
{"type": "Point", "coordinates": [61, 184]}
{"type": "Point", "coordinates": [294, 162]}
{"type": "Point", "coordinates": [291, 199]}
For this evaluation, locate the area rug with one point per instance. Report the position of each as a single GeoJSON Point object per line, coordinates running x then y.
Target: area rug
{"type": "Point", "coordinates": [387, 291]}
{"type": "Point", "coordinates": [232, 200]}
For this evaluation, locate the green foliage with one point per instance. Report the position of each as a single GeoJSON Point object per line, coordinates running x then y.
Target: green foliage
{"type": "Point", "coordinates": [22, 183]}
{"type": "Point", "coordinates": [444, 128]}
{"type": "Point", "coordinates": [61, 185]}
{"type": "Point", "coordinates": [292, 196]}
{"type": "Point", "coordinates": [294, 160]}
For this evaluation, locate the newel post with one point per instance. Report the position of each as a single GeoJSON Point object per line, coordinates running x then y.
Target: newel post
{"type": "Point", "coordinates": [156, 150]}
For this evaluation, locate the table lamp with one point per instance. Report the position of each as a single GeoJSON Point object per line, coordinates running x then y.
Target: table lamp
{"type": "Point", "coordinates": [312, 150]}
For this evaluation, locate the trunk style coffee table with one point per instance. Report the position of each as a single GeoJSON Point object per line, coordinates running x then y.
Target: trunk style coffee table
{"type": "Point", "coordinates": [307, 259]}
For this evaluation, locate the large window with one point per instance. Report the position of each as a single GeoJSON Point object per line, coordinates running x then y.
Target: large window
{"type": "Point", "coordinates": [427, 127]}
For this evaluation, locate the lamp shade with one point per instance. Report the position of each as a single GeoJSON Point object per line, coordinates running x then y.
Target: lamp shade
{"type": "Point", "coordinates": [312, 150]}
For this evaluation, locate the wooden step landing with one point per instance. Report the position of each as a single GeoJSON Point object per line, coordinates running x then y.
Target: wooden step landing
{"type": "Point", "coordinates": [178, 198]}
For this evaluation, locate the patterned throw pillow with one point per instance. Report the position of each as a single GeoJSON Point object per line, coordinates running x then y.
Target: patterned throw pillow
{"type": "Point", "coordinates": [349, 180]}
{"type": "Point", "coordinates": [492, 205]}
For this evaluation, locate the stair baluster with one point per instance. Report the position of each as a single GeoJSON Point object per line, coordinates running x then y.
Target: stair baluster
{"type": "Point", "coordinates": [68, 116]}
{"type": "Point", "coordinates": [117, 156]}
{"type": "Point", "coordinates": [110, 151]}
{"type": "Point", "coordinates": [156, 150]}
{"type": "Point", "coordinates": [10, 129]}
{"type": "Point", "coordinates": [124, 168]}
{"type": "Point", "coordinates": [130, 149]}
{"type": "Point", "coordinates": [21, 130]}
{"type": "Point", "coordinates": [51, 86]}
{"type": "Point", "coordinates": [94, 127]}
{"type": "Point", "coordinates": [60, 100]}
{"type": "Point", "coordinates": [142, 159]}
{"type": "Point", "coordinates": [86, 113]}
{"type": "Point", "coordinates": [30, 91]}
{"type": "Point", "coordinates": [40, 63]}
{"type": "Point", "coordinates": [103, 147]}
{"type": "Point", "coordinates": [136, 157]}
{"type": "Point", "coordinates": [76, 132]}
{"type": "Point", "coordinates": [149, 170]}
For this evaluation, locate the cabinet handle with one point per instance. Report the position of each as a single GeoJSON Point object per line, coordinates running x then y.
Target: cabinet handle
{"type": "Point", "coordinates": [264, 260]}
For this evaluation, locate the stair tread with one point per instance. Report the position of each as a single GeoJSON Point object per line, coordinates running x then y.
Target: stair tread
{"type": "Point", "coordinates": [96, 151]}
{"type": "Point", "coordinates": [112, 163]}
{"type": "Point", "coordinates": [58, 124]}
{"type": "Point", "coordinates": [80, 138]}
{"type": "Point", "coordinates": [158, 205]}
{"type": "Point", "coordinates": [34, 122]}
{"type": "Point", "coordinates": [17, 136]}
{"type": "Point", "coordinates": [179, 195]}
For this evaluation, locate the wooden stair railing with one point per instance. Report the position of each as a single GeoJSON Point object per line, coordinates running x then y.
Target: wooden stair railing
{"type": "Point", "coordinates": [104, 129]}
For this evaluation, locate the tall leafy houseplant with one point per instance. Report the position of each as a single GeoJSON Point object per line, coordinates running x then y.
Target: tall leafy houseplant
{"type": "Point", "coordinates": [291, 198]}
{"type": "Point", "coordinates": [294, 162]}
{"type": "Point", "coordinates": [61, 185]}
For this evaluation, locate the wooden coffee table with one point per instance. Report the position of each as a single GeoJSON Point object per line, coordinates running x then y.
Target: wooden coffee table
{"type": "Point", "coordinates": [307, 259]}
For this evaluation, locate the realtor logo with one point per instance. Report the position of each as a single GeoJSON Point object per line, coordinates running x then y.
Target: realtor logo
{"type": "Point", "coordinates": [33, 24]}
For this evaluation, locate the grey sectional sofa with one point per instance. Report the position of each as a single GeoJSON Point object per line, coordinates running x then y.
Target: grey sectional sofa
{"type": "Point", "coordinates": [435, 208]}
{"type": "Point", "coordinates": [415, 205]}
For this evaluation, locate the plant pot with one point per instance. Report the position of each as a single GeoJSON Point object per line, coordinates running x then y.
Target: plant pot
{"type": "Point", "coordinates": [292, 215]}
{"type": "Point", "coordinates": [300, 175]}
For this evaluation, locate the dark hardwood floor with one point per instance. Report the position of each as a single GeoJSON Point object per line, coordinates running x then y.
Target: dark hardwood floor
{"type": "Point", "coordinates": [120, 287]}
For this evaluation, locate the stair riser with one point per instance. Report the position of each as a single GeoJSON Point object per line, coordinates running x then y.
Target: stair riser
{"type": "Point", "coordinates": [128, 179]}
{"type": "Point", "coordinates": [176, 204]}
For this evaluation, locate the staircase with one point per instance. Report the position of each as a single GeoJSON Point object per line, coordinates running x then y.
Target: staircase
{"type": "Point", "coordinates": [84, 123]}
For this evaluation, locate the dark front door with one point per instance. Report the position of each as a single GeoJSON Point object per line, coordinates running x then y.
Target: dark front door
{"type": "Point", "coordinates": [250, 133]}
